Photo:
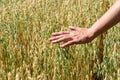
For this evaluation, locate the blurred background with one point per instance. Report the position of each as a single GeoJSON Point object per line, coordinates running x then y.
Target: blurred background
{"type": "Point", "coordinates": [27, 54]}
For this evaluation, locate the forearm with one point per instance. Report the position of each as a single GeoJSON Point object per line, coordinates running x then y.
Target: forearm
{"type": "Point", "coordinates": [109, 19]}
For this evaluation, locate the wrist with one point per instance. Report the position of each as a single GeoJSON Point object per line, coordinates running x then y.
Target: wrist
{"type": "Point", "coordinates": [91, 33]}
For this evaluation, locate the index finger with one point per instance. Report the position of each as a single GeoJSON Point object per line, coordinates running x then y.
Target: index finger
{"type": "Point", "coordinates": [67, 44]}
{"type": "Point", "coordinates": [60, 33]}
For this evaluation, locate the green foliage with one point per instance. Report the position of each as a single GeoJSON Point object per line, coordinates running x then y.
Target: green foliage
{"type": "Point", "coordinates": [26, 53]}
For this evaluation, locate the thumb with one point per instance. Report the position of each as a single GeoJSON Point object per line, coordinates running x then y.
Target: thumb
{"type": "Point", "coordinates": [74, 28]}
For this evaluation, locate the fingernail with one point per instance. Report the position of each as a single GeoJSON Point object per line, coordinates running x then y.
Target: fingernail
{"type": "Point", "coordinates": [50, 39]}
{"type": "Point", "coordinates": [70, 26]}
{"type": "Point", "coordinates": [61, 46]}
{"type": "Point", "coordinates": [53, 41]}
{"type": "Point", "coordinates": [53, 33]}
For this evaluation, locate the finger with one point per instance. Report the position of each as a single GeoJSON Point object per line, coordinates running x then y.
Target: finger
{"type": "Point", "coordinates": [67, 44]}
{"type": "Point", "coordinates": [60, 33]}
{"type": "Point", "coordinates": [56, 37]}
{"type": "Point", "coordinates": [60, 40]}
{"type": "Point", "coordinates": [74, 28]}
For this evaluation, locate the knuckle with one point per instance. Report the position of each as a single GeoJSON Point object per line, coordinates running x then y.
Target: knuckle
{"type": "Point", "coordinates": [62, 32]}
{"type": "Point", "coordinates": [64, 37]}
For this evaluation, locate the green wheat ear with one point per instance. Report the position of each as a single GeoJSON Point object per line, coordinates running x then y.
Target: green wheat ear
{"type": "Point", "coordinates": [27, 54]}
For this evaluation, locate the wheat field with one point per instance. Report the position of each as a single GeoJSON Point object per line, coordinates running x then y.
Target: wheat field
{"type": "Point", "coordinates": [27, 54]}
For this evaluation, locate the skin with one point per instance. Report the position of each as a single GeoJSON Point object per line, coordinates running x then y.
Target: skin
{"type": "Point", "coordinates": [85, 35]}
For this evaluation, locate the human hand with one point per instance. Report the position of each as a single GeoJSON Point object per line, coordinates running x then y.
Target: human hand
{"type": "Point", "coordinates": [75, 36]}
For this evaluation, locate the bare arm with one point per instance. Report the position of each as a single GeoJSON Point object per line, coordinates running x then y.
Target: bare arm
{"type": "Point", "coordinates": [84, 35]}
{"type": "Point", "coordinates": [109, 19]}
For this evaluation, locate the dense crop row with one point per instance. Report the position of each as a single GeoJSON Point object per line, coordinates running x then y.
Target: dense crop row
{"type": "Point", "coordinates": [27, 54]}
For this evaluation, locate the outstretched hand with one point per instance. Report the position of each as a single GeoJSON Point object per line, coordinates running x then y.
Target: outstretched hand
{"type": "Point", "coordinates": [75, 36]}
{"type": "Point", "coordinates": [84, 35]}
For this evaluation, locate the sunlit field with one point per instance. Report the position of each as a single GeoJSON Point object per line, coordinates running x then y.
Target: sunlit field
{"type": "Point", "coordinates": [27, 54]}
